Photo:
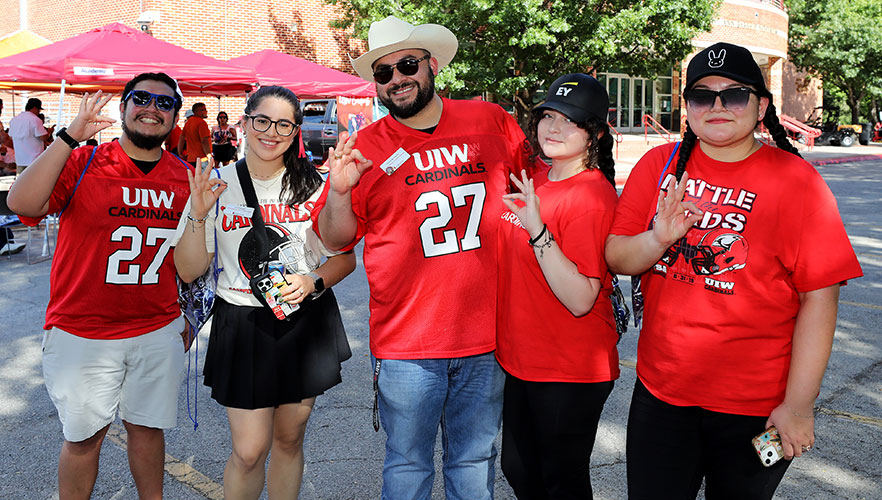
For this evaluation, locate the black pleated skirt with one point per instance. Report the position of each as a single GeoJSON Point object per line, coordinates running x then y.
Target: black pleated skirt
{"type": "Point", "coordinates": [257, 361]}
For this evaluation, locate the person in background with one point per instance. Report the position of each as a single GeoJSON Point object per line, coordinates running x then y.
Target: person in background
{"type": "Point", "coordinates": [174, 138]}
{"type": "Point", "coordinates": [29, 136]}
{"type": "Point", "coordinates": [113, 325]}
{"type": "Point", "coordinates": [223, 140]}
{"type": "Point", "coordinates": [195, 139]}
{"type": "Point", "coordinates": [266, 372]}
{"type": "Point", "coordinates": [555, 332]}
{"type": "Point", "coordinates": [740, 252]}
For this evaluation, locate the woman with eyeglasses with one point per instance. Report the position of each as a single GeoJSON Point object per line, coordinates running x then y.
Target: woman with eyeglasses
{"type": "Point", "coordinates": [740, 252]}
{"type": "Point", "coordinates": [223, 139]}
{"type": "Point", "coordinates": [267, 372]}
{"type": "Point", "coordinates": [556, 334]}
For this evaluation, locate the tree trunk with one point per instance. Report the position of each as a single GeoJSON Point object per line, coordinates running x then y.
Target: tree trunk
{"type": "Point", "coordinates": [522, 104]}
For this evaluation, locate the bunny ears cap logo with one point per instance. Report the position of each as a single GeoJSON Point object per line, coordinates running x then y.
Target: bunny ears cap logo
{"type": "Point", "coordinates": [716, 60]}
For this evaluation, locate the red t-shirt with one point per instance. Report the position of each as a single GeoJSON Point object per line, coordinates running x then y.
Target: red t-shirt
{"type": "Point", "coordinates": [721, 304]}
{"type": "Point", "coordinates": [430, 229]}
{"type": "Point", "coordinates": [171, 142]}
{"type": "Point", "coordinates": [538, 338]}
{"type": "Point", "coordinates": [113, 275]}
{"type": "Point", "coordinates": [195, 129]}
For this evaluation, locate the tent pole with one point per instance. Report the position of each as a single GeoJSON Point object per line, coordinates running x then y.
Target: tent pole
{"type": "Point", "coordinates": [61, 101]}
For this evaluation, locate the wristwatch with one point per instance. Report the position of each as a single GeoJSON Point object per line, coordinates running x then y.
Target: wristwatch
{"type": "Point", "coordinates": [64, 136]}
{"type": "Point", "coordinates": [319, 283]}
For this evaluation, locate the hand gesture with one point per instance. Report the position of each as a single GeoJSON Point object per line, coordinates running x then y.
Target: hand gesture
{"type": "Point", "coordinates": [528, 213]}
{"type": "Point", "coordinates": [89, 121]}
{"type": "Point", "coordinates": [797, 431]}
{"type": "Point", "coordinates": [346, 164]}
{"type": "Point", "coordinates": [299, 287]}
{"type": "Point", "coordinates": [674, 217]}
{"type": "Point", "coordinates": [204, 189]}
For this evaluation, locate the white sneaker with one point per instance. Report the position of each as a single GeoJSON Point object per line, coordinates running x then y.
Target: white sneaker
{"type": "Point", "coordinates": [12, 248]}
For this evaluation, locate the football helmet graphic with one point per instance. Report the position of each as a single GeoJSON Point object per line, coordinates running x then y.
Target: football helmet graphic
{"type": "Point", "coordinates": [719, 251]}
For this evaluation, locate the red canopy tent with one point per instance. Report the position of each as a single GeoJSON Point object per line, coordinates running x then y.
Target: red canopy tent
{"type": "Point", "coordinates": [304, 78]}
{"type": "Point", "coordinates": [107, 57]}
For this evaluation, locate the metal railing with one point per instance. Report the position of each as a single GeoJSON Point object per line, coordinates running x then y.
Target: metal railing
{"type": "Point", "coordinates": [803, 133]}
{"type": "Point", "coordinates": [651, 123]}
{"type": "Point", "coordinates": [617, 136]}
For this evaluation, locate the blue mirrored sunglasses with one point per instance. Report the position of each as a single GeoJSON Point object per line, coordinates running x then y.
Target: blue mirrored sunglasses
{"type": "Point", "coordinates": [142, 98]}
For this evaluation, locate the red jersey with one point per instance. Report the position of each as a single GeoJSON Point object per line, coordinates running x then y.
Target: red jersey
{"type": "Point", "coordinates": [113, 274]}
{"type": "Point", "coordinates": [429, 222]}
{"type": "Point", "coordinates": [721, 303]}
{"type": "Point", "coordinates": [538, 338]}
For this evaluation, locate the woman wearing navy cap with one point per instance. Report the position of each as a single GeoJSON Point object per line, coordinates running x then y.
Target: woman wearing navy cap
{"type": "Point", "coordinates": [740, 251]}
{"type": "Point", "coordinates": [556, 336]}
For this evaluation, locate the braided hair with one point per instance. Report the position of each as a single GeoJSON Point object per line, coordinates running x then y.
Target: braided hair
{"type": "Point", "coordinates": [301, 178]}
{"type": "Point", "coordinates": [600, 144]}
{"type": "Point", "coordinates": [770, 120]}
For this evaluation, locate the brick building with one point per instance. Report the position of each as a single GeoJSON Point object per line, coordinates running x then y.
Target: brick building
{"type": "Point", "coordinates": [760, 26]}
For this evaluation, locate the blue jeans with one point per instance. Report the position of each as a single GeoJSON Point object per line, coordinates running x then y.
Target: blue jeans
{"type": "Point", "coordinates": [464, 396]}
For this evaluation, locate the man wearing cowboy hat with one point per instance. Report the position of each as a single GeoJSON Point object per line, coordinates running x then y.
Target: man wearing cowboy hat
{"type": "Point", "coordinates": [424, 188]}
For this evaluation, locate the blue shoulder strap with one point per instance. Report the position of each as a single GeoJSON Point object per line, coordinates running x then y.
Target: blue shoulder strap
{"type": "Point", "coordinates": [94, 148]}
{"type": "Point", "coordinates": [668, 164]}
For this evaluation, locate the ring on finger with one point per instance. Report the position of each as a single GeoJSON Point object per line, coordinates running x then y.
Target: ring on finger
{"type": "Point", "coordinates": [806, 448]}
{"type": "Point", "coordinates": [338, 156]}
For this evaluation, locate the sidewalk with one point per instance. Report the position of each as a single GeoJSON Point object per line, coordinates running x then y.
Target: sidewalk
{"type": "Point", "coordinates": [634, 146]}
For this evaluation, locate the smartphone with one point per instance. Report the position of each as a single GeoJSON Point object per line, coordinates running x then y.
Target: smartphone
{"type": "Point", "coordinates": [768, 447]}
{"type": "Point", "coordinates": [270, 285]}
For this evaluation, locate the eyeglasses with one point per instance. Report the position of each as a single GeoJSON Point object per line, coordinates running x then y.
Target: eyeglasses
{"type": "Point", "coordinates": [142, 98]}
{"type": "Point", "coordinates": [734, 99]}
{"type": "Point", "coordinates": [261, 123]}
{"type": "Point", "coordinates": [407, 67]}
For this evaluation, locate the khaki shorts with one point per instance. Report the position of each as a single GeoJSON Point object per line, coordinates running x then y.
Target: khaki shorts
{"type": "Point", "coordinates": [89, 380]}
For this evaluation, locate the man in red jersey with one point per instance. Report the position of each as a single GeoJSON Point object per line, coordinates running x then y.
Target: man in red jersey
{"type": "Point", "coordinates": [427, 206]}
{"type": "Point", "coordinates": [113, 323]}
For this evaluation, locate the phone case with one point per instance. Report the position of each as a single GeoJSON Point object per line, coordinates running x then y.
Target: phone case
{"type": "Point", "coordinates": [270, 285]}
{"type": "Point", "coordinates": [768, 447]}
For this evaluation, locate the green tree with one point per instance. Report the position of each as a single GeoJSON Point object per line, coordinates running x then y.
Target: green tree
{"type": "Point", "coordinates": [839, 41]}
{"type": "Point", "coordinates": [512, 48]}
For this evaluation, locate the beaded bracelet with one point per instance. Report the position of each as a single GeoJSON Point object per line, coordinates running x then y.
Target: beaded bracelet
{"type": "Point", "coordinates": [190, 217]}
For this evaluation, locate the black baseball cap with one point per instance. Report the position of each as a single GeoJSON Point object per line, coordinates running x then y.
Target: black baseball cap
{"type": "Point", "coordinates": [728, 60]}
{"type": "Point", "coordinates": [578, 96]}
{"type": "Point", "coordinates": [33, 102]}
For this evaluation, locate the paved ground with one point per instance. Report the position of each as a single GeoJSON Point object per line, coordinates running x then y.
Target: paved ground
{"type": "Point", "coordinates": [343, 453]}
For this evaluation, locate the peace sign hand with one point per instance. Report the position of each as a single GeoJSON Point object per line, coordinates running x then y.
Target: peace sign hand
{"type": "Point", "coordinates": [89, 121]}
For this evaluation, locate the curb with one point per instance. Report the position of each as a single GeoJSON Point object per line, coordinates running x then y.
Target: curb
{"type": "Point", "coordinates": [844, 159]}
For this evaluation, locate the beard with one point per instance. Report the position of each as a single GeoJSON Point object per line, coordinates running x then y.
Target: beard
{"type": "Point", "coordinates": [423, 98]}
{"type": "Point", "coordinates": [144, 141]}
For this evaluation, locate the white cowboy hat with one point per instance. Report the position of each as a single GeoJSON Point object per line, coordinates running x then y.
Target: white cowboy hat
{"type": "Point", "coordinates": [392, 34]}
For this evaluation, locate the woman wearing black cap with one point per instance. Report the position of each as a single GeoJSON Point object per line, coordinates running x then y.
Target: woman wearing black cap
{"type": "Point", "coordinates": [741, 252]}
{"type": "Point", "coordinates": [556, 336]}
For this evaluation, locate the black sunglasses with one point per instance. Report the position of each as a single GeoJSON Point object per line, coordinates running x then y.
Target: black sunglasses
{"type": "Point", "coordinates": [407, 67]}
{"type": "Point", "coordinates": [734, 99]}
{"type": "Point", "coordinates": [261, 123]}
{"type": "Point", "coordinates": [142, 98]}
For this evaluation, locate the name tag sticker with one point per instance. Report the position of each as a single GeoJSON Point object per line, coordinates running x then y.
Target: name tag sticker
{"type": "Point", "coordinates": [238, 210]}
{"type": "Point", "coordinates": [393, 162]}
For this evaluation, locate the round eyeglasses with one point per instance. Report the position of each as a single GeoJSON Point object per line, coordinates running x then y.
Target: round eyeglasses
{"type": "Point", "coordinates": [262, 123]}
